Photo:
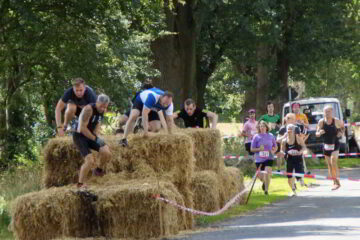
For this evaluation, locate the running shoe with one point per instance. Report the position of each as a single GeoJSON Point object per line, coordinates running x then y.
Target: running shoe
{"type": "Point", "coordinates": [266, 193]}
{"type": "Point", "coordinates": [123, 142]}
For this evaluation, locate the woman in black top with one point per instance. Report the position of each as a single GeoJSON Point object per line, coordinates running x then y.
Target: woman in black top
{"type": "Point", "coordinates": [293, 147]}
{"type": "Point", "coordinates": [332, 129]}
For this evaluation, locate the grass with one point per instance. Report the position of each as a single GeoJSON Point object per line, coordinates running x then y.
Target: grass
{"type": "Point", "coordinates": [342, 163]}
{"type": "Point", "coordinates": [13, 183]}
{"type": "Point", "coordinates": [279, 190]}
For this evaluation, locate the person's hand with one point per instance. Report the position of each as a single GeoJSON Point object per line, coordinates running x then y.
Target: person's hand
{"type": "Point", "coordinates": [100, 141]}
{"type": "Point", "coordinates": [322, 131]}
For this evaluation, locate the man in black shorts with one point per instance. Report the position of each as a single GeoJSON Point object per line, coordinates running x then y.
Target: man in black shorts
{"type": "Point", "coordinates": [74, 99]}
{"type": "Point", "coordinates": [332, 129]}
{"type": "Point", "coordinates": [154, 120]}
{"type": "Point", "coordinates": [194, 117]}
{"type": "Point", "coordinates": [87, 136]}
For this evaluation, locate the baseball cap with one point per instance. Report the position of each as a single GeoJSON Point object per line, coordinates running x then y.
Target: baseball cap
{"type": "Point", "coordinates": [251, 110]}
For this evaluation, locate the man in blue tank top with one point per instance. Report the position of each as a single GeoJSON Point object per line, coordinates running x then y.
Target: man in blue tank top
{"type": "Point", "coordinates": [151, 99]}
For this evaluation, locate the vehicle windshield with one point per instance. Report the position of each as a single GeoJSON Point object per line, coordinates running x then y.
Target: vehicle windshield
{"type": "Point", "coordinates": [315, 111]}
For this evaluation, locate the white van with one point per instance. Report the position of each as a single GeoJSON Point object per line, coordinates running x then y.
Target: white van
{"type": "Point", "coordinates": [313, 109]}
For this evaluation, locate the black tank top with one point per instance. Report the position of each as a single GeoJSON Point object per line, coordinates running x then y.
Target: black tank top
{"type": "Point", "coordinates": [95, 118]}
{"type": "Point", "coordinates": [330, 132]}
{"type": "Point", "coordinates": [294, 146]}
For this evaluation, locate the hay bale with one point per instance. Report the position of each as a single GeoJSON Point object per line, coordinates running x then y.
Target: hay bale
{"type": "Point", "coordinates": [207, 148]}
{"type": "Point", "coordinates": [206, 189]}
{"type": "Point", "coordinates": [51, 213]}
{"type": "Point", "coordinates": [128, 210]}
{"type": "Point", "coordinates": [232, 182]}
{"type": "Point", "coordinates": [167, 156]}
{"type": "Point", "coordinates": [62, 162]}
{"type": "Point", "coordinates": [123, 209]}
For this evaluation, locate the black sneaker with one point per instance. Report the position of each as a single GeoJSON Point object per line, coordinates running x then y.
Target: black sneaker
{"type": "Point", "coordinates": [123, 142]}
{"type": "Point", "coordinates": [266, 193]}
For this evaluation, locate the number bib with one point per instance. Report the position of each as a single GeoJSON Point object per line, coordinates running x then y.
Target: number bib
{"type": "Point", "coordinates": [264, 154]}
{"type": "Point", "coordinates": [293, 152]}
{"type": "Point", "coordinates": [329, 147]}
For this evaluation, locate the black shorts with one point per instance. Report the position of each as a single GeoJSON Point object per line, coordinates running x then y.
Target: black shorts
{"type": "Point", "coordinates": [337, 147]}
{"type": "Point", "coordinates": [153, 115]}
{"type": "Point", "coordinates": [266, 163]}
{"type": "Point", "coordinates": [84, 144]}
{"type": "Point", "coordinates": [248, 148]}
{"type": "Point", "coordinates": [294, 163]}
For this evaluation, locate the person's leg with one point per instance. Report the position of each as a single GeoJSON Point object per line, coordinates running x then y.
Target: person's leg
{"type": "Point", "coordinates": [268, 169]}
{"type": "Point", "coordinates": [69, 113]}
{"type": "Point", "coordinates": [289, 170]}
{"type": "Point", "coordinates": [105, 154]}
{"type": "Point", "coordinates": [334, 168]}
{"type": "Point", "coordinates": [122, 120]}
{"type": "Point", "coordinates": [134, 114]}
{"type": "Point", "coordinates": [88, 164]}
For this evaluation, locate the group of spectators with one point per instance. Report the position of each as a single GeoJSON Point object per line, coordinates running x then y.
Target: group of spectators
{"type": "Point", "coordinates": [269, 138]}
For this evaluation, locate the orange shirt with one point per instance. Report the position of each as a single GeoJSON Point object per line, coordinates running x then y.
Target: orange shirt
{"type": "Point", "coordinates": [301, 117]}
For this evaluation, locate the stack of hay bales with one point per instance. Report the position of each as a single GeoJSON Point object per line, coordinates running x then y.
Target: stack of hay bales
{"type": "Point", "coordinates": [121, 204]}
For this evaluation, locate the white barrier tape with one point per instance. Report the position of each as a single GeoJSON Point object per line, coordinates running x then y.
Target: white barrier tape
{"type": "Point", "coordinates": [226, 206]}
{"type": "Point", "coordinates": [314, 176]}
{"type": "Point", "coordinates": [305, 155]}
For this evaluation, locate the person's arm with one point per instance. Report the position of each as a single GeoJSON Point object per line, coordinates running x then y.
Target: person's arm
{"type": "Point", "coordinates": [301, 142]}
{"type": "Point", "coordinates": [274, 146]}
{"type": "Point", "coordinates": [59, 108]}
{"type": "Point", "coordinates": [213, 117]}
{"type": "Point", "coordinates": [253, 147]}
{"type": "Point", "coordinates": [319, 130]}
{"type": "Point", "coordinates": [283, 147]}
{"type": "Point", "coordinates": [162, 120]}
{"type": "Point", "coordinates": [340, 125]}
{"type": "Point", "coordinates": [145, 119]}
{"type": "Point", "coordinates": [281, 136]}
{"type": "Point", "coordinates": [306, 121]}
{"type": "Point", "coordinates": [84, 119]}
{"type": "Point", "coordinates": [170, 123]}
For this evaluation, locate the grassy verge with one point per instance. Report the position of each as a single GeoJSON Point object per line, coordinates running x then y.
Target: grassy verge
{"type": "Point", "coordinates": [13, 183]}
{"type": "Point", "coordinates": [279, 190]}
{"type": "Point", "coordinates": [342, 162]}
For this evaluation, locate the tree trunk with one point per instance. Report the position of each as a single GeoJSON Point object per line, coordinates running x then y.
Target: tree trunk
{"type": "Point", "coordinates": [175, 54]}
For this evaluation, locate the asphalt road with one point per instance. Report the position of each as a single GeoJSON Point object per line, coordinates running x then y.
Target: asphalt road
{"type": "Point", "coordinates": [314, 214]}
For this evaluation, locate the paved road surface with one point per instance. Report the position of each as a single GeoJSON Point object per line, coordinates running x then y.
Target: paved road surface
{"type": "Point", "coordinates": [315, 214]}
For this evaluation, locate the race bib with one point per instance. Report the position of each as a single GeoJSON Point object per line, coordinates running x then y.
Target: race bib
{"type": "Point", "coordinates": [293, 152]}
{"type": "Point", "coordinates": [264, 154]}
{"type": "Point", "coordinates": [329, 147]}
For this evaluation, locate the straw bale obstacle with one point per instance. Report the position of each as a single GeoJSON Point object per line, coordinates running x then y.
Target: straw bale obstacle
{"type": "Point", "coordinates": [186, 167]}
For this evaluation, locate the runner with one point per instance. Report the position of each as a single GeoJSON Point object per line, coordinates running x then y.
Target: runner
{"type": "Point", "coordinates": [249, 130]}
{"type": "Point", "coordinates": [293, 147]}
{"type": "Point", "coordinates": [274, 122]}
{"type": "Point", "coordinates": [87, 136]}
{"type": "Point", "coordinates": [74, 99]}
{"type": "Point", "coordinates": [150, 99]}
{"type": "Point", "coordinates": [264, 146]}
{"type": "Point", "coordinates": [331, 129]}
{"type": "Point", "coordinates": [195, 117]}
